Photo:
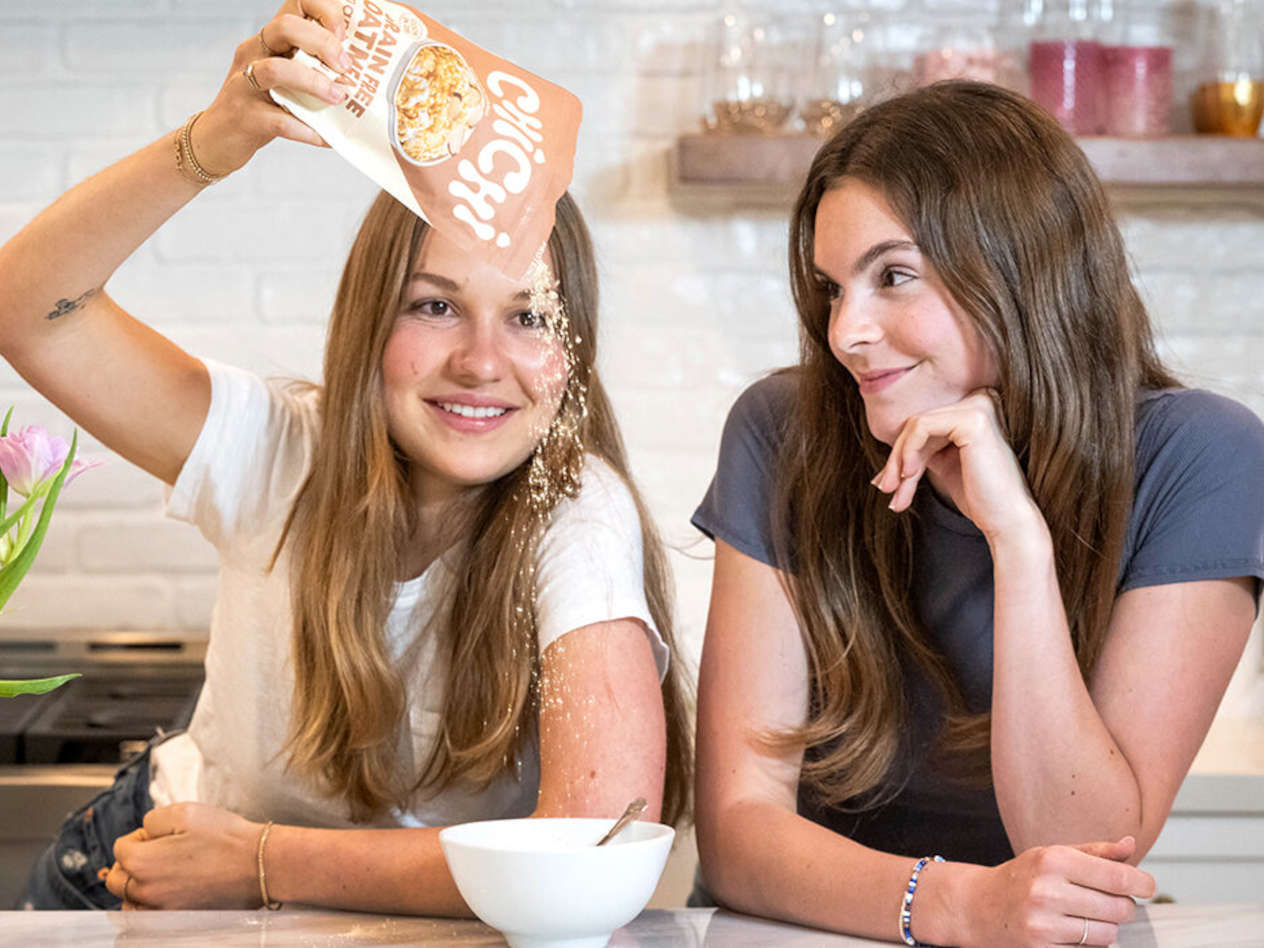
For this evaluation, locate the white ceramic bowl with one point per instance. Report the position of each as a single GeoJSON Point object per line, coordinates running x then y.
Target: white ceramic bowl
{"type": "Point", "coordinates": [543, 882]}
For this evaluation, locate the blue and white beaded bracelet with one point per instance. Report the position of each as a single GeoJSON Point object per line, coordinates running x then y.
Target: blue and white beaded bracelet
{"type": "Point", "coordinates": [906, 908]}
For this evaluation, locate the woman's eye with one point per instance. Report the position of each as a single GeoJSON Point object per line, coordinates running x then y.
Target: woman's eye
{"type": "Point", "coordinates": [893, 277]}
{"type": "Point", "coordinates": [427, 307]}
{"type": "Point", "coordinates": [528, 320]}
{"type": "Point", "coordinates": [831, 289]}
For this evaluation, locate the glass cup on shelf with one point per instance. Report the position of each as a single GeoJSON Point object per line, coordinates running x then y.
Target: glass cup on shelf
{"type": "Point", "coordinates": [1230, 99]}
{"type": "Point", "coordinates": [1137, 71]}
{"type": "Point", "coordinates": [953, 51]}
{"type": "Point", "coordinates": [837, 85]}
{"type": "Point", "coordinates": [751, 88]}
{"type": "Point", "coordinates": [1066, 64]}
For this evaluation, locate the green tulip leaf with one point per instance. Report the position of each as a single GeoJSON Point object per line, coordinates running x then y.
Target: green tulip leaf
{"type": "Point", "coordinates": [33, 686]}
{"type": "Point", "coordinates": [8, 523]}
{"type": "Point", "coordinates": [12, 574]}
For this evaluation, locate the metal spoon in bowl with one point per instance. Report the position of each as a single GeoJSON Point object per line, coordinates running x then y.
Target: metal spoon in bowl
{"type": "Point", "coordinates": [631, 813]}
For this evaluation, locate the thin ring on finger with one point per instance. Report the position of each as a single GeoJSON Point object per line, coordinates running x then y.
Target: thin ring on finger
{"type": "Point", "coordinates": [1084, 934]}
{"type": "Point", "coordinates": [126, 897]}
{"type": "Point", "coordinates": [267, 50]}
{"type": "Point", "coordinates": [249, 73]}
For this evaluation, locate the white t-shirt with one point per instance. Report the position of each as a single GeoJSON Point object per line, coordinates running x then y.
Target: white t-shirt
{"type": "Point", "coordinates": [237, 487]}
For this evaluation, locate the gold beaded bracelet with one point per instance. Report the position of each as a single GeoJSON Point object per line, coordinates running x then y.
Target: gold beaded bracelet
{"type": "Point", "coordinates": [268, 903]}
{"type": "Point", "coordinates": [185, 160]}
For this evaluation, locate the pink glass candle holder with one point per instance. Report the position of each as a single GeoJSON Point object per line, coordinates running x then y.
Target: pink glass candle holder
{"type": "Point", "coordinates": [1067, 79]}
{"type": "Point", "coordinates": [1138, 90]}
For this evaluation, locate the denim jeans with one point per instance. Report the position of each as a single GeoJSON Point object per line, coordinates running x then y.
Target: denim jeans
{"type": "Point", "coordinates": [68, 875]}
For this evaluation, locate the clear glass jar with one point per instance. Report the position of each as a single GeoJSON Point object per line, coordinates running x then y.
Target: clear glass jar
{"type": "Point", "coordinates": [954, 51]}
{"type": "Point", "coordinates": [1065, 62]}
{"type": "Point", "coordinates": [1230, 98]}
{"type": "Point", "coordinates": [838, 86]}
{"type": "Point", "coordinates": [752, 84]}
{"type": "Point", "coordinates": [1137, 71]}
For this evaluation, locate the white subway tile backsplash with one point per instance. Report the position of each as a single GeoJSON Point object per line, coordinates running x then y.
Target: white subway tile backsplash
{"type": "Point", "coordinates": [115, 485]}
{"type": "Point", "coordinates": [75, 601]}
{"type": "Point", "coordinates": [30, 173]}
{"type": "Point", "coordinates": [65, 109]}
{"type": "Point", "coordinates": [152, 47]}
{"type": "Point", "coordinates": [166, 293]}
{"type": "Point", "coordinates": [143, 543]}
{"type": "Point", "coordinates": [29, 49]}
{"type": "Point", "coordinates": [302, 295]}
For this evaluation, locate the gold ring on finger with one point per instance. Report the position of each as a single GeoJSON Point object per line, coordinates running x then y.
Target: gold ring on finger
{"type": "Point", "coordinates": [249, 73]}
{"type": "Point", "coordinates": [267, 50]}
{"type": "Point", "coordinates": [126, 897]}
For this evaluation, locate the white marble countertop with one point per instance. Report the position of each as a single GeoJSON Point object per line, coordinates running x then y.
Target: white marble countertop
{"type": "Point", "coordinates": [1155, 926]}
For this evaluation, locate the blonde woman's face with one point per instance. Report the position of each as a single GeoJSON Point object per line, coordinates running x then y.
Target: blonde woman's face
{"type": "Point", "coordinates": [471, 377]}
{"type": "Point", "coordinates": [892, 325]}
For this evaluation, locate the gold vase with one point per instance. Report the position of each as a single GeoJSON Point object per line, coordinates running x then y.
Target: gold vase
{"type": "Point", "coordinates": [1229, 108]}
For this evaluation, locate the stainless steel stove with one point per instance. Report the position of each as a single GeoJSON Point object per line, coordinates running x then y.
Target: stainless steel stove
{"type": "Point", "coordinates": [58, 750]}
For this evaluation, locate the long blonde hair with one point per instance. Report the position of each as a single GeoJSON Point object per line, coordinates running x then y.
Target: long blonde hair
{"type": "Point", "coordinates": [1007, 210]}
{"type": "Point", "coordinates": [347, 534]}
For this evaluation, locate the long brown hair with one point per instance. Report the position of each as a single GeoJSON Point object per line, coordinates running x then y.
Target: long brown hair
{"type": "Point", "coordinates": [347, 534]}
{"type": "Point", "coordinates": [1007, 210]}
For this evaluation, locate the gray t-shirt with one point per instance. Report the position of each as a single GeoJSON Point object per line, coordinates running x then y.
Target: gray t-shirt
{"type": "Point", "coordinates": [1198, 513]}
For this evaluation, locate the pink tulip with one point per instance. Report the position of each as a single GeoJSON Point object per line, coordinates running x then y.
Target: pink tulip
{"type": "Point", "coordinates": [33, 455]}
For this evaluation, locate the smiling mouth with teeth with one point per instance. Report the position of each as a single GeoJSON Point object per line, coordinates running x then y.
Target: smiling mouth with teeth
{"type": "Point", "coordinates": [470, 411]}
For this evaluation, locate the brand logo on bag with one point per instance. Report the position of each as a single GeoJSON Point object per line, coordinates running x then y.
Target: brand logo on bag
{"type": "Point", "coordinates": [509, 157]}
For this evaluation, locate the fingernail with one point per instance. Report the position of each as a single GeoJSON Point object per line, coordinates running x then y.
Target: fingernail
{"type": "Point", "coordinates": [877, 477]}
{"type": "Point", "coordinates": [344, 60]}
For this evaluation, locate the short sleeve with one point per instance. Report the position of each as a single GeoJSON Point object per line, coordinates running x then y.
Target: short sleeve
{"type": "Point", "coordinates": [1199, 506]}
{"type": "Point", "coordinates": [590, 566]}
{"type": "Point", "coordinates": [249, 460]}
{"type": "Point", "coordinates": [737, 507]}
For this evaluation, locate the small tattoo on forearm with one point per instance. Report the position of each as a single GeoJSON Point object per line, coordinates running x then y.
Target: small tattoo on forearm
{"type": "Point", "coordinates": [69, 306]}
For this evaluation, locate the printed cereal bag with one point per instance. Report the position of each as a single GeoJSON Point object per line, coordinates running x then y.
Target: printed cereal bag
{"type": "Point", "coordinates": [478, 147]}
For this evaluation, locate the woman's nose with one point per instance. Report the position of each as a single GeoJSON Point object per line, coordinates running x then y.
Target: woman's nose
{"type": "Point", "coordinates": [852, 324]}
{"type": "Point", "coordinates": [478, 355]}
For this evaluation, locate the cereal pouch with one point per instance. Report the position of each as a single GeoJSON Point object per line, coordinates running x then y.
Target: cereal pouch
{"type": "Point", "coordinates": [478, 147]}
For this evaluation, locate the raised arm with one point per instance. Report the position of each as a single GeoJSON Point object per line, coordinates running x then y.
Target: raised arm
{"type": "Point", "coordinates": [130, 387]}
{"type": "Point", "coordinates": [759, 856]}
{"type": "Point", "coordinates": [602, 743]}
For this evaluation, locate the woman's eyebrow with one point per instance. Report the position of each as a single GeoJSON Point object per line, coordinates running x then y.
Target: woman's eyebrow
{"type": "Point", "coordinates": [441, 282]}
{"type": "Point", "coordinates": [868, 257]}
{"type": "Point", "coordinates": [877, 250]}
{"type": "Point", "coordinates": [451, 286]}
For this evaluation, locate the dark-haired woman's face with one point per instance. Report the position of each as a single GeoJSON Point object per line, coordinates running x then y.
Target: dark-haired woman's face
{"type": "Point", "coordinates": [893, 326]}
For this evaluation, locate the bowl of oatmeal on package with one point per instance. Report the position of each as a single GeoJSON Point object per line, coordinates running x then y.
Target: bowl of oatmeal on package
{"type": "Point", "coordinates": [436, 101]}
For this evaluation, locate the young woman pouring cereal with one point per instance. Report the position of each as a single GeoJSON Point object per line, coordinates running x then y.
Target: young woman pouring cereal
{"type": "Point", "coordinates": [440, 596]}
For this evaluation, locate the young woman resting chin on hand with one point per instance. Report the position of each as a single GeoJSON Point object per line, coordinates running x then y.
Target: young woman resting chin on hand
{"type": "Point", "coordinates": [983, 568]}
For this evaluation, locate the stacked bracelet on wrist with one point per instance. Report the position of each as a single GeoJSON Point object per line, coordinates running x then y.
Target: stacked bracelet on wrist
{"type": "Point", "coordinates": [185, 160]}
{"type": "Point", "coordinates": [268, 903]}
{"type": "Point", "coordinates": [906, 907]}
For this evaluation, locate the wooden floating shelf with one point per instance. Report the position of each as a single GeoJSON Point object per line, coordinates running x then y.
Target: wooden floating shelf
{"type": "Point", "coordinates": [781, 161]}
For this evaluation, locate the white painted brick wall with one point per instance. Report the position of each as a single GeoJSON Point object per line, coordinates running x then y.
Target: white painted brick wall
{"type": "Point", "coordinates": [696, 299]}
